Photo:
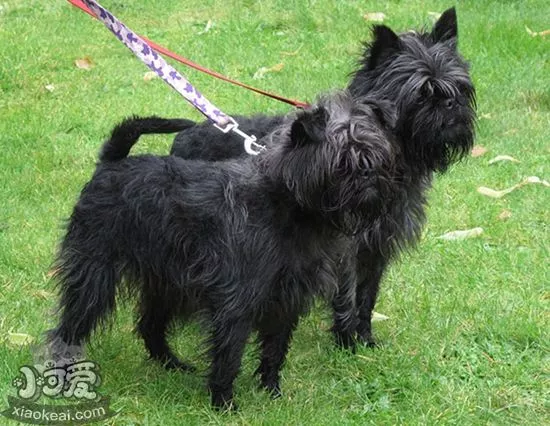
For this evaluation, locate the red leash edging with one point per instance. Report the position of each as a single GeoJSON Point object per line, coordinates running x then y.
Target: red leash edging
{"type": "Point", "coordinates": [191, 64]}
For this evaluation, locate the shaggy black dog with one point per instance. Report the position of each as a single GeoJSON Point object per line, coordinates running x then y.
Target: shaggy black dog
{"type": "Point", "coordinates": [424, 75]}
{"type": "Point", "coordinates": [248, 243]}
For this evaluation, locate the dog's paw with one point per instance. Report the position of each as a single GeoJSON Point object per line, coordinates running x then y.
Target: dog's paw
{"type": "Point", "coordinates": [275, 392]}
{"type": "Point", "coordinates": [366, 340]}
{"type": "Point", "coordinates": [273, 388]}
{"type": "Point", "coordinates": [345, 341]}
{"type": "Point", "coordinates": [173, 363]}
{"type": "Point", "coordinates": [224, 403]}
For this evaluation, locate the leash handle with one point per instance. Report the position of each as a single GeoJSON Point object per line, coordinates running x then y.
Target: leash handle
{"type": "Point", "coordinates": [157, 64]}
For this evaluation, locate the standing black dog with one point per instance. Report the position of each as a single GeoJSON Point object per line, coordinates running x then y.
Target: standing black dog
{"type": "Point", "coordinates": [426, 78]}
{"type": "Point", "coordinates": [248, 242]}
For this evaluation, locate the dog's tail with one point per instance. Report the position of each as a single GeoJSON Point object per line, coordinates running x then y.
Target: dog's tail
{"type": "Point", "coordinates": [126, 134]}
{"type": "Point", "coordinates": [88, 290]}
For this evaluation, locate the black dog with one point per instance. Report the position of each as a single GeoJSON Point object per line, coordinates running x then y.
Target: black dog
{"type": "Point", "coordinates": [424, 75]}
{"type": "Point", "coordinates": [247, 242]}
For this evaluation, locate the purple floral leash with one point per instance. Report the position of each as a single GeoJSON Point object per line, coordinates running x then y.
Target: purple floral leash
{"type": "Point", "coordinates": [170, 75]}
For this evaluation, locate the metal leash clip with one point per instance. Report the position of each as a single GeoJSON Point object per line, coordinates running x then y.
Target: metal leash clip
{"type": "Point", "coordinates": [250, 145]}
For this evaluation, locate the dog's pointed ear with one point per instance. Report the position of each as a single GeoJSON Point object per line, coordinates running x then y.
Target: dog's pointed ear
{"type": "Point", "coordinates": [308, 127]}
{"type": "Point", "coordinates": [446, 27]}
{"type": "Point", "coordinates": [385, 43]}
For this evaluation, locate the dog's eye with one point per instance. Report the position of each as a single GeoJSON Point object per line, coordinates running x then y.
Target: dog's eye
{"type": "Point", "coordinates": [448, 103]}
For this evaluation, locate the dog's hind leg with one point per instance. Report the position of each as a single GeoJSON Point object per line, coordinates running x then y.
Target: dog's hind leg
{"type": "Point", "coordinates": [227, 344]}
{"type": "Point", "coordinates": [274, 343]}
{"type": "Point", "coordinates": [371, 270]}
{"type": "Point", "coordinates": [155, 317]}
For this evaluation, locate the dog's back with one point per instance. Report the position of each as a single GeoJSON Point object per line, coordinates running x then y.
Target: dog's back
{"type": "Point", "coordinates": [205, 142]}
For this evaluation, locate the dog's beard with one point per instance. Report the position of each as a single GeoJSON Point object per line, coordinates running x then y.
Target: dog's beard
{"type": "Point", "coordinates": [434, 139]}
{"type": "Point", "coordinates": [357, 201]}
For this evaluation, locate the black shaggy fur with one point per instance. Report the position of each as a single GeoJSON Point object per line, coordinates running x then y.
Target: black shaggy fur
{"type": "Point", "coordinates": [248, 242]}
{"type": "Point", "coordinates": [425, 77]}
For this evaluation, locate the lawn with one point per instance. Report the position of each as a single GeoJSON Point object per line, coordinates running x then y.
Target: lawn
{"type": "Point", "coordinates": [467, 339]}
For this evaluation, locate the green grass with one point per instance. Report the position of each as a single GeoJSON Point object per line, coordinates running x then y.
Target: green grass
{"type": "Point", "coordinates": [467, 339]}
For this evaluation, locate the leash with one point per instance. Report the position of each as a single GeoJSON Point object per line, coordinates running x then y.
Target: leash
{"type": "Point", "coordinates": [298, 104]}
{"type": "Point", "coordinates": [171, 76]}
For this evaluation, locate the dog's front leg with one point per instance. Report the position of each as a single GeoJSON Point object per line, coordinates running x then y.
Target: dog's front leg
{"type": "Point", "coordinates": [370, 266]}
{"type": "Point", "coordinates": [344, 304]}
{"type": "Point", "coordinates": [274, 342]}
{"type": "Point", "coordinates": [227, 345]}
